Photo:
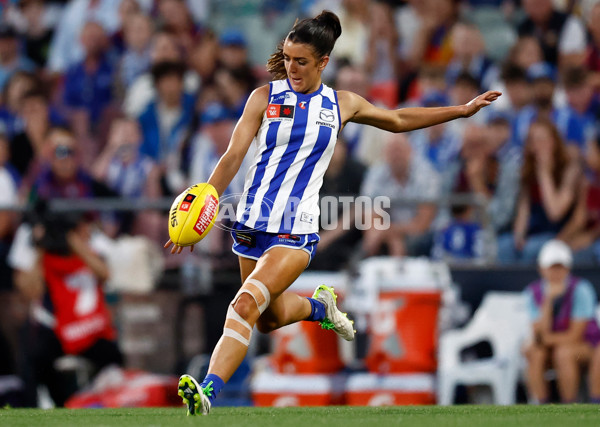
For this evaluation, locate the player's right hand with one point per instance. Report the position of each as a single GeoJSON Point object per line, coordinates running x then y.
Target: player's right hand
{"type": "Point", "coordinates": [176, 249]}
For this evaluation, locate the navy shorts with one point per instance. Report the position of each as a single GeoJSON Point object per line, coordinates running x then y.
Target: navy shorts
{"type": "Point", "coordinates": [249, 243]}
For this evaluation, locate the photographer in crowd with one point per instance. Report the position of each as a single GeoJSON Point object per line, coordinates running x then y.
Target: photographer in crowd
{"type": "Point", "coordinates": [57, 267]}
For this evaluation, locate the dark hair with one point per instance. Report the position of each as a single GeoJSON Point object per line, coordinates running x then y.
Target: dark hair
{"type": "Point", "coordinates": [167, 68]}
{"type": "Point", "coordinates": [513, 74]}
{"type": "Point", "coordinates": [319, 32]}
{"type": "Point", "coordinates": [574, 77]}
{"type": "Point", "coordinates": [559, 153]}
{"type": "Point", "coordinates": [467, 79]}
{"type": "Point", "coordinates": [37, 93]}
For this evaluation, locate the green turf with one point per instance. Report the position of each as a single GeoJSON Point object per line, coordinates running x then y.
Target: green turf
{"type": "Point", "coordinates": [487, 416]}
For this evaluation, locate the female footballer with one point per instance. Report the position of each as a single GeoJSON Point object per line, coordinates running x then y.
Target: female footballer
{"type": "Point", "coordinates": [294, 122]}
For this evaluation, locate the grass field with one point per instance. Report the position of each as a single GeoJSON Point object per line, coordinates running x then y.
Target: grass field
{"type": "Point", "coordinates": [435, 416]}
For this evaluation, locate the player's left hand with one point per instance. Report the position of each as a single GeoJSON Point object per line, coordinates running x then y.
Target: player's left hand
{"type": "Point", "coordinates": [481, 101]}
{"type": "Point", "coordinates": [176, 249]}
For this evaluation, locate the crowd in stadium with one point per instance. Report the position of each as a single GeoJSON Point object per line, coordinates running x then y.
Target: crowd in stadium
{"type": "Point", "coordinates": [137, 99]}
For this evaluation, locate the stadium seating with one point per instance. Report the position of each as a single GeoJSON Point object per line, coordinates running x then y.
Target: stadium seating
{"type": "Point", "coordinates": [503, 321]}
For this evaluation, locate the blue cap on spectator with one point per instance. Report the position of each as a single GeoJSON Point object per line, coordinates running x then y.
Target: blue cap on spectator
{"type": "Point", "coordinates": [435, 99]}
{"type": "Point", "coordinates": [541, 70]}
{"type": "Point", "coordinates": [232, 37]}
{"type": "Point", "coordinates": [213, 113]}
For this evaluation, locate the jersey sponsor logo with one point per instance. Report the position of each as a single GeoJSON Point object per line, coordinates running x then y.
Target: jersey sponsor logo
{"type": "Point", "coordinates": [187, 202]}
{"type": "Point", "coordinates": [280, 97]}
{"type": "Point", "coordinates": [206, 214]}
{"type": "Point", "coordinates": [327, 115]}
{"type": "Point", "coordinates": [278, 111]}
{"type": "Point", "coordinates": [329, 125]}
{"type": "Point", "coordinates": [302, 104]}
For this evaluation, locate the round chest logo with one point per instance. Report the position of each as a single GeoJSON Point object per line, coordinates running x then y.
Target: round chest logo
{"type": "Point", "coordinates": [327, 115]}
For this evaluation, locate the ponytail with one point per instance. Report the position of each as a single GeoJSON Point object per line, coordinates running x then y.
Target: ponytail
{"type": "Point", "coordinates": [320, 32]}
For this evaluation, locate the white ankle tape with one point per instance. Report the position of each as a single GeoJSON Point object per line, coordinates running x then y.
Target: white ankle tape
{"type": "Point", "coordinates": [256, 290]}
{"type": "Point", "coordinates": [236, 327]}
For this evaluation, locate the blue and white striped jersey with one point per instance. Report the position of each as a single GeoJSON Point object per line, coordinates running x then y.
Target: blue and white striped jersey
{"type": "Point", "coordinates": [294, 145]}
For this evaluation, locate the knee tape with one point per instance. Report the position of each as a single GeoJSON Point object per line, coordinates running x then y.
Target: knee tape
{"type": "Point", "coordinates": [256, 290]}
{"type": "Point", "coordinates": [236, 327]}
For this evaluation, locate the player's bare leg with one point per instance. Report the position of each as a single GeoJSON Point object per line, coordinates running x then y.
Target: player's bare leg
{"type": "Point", "coordinates": [274, 272]}
{"type": "Point", "coordinates": [277, 269]}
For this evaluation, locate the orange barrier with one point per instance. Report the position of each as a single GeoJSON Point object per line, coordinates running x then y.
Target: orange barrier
{"type": "Point", "coordinates": [404, 332]}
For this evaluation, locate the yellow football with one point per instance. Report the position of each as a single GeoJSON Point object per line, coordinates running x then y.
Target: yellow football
{"type": "Point", "coordinates": [193, 213]}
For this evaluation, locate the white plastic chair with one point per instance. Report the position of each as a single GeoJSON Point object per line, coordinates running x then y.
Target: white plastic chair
{"type": "Point", "coordinates": [502, 320]}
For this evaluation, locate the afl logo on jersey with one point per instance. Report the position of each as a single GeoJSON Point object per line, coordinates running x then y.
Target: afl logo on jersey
{"type": "Point", "coordinates": [277, 111]}
{"type": "Point", "coordinates": [327, 115]}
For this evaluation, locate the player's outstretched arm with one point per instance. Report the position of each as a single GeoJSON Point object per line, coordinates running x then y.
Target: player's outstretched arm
{"type": "Point", "coordinates": [357, 109]}
{"type": "Point", "coordinates": [243, 134]}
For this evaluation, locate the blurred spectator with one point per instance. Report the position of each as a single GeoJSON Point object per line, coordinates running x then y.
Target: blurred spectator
{"type": "Point", "coordinates": [516, 92]}
{"type": "Point", "coordinates": [413, 187]}
{"type": "Point", "coordinates": [66, 50]}
{"type": "Point", "coordinates": [20, 83]}
{"type": "Point", "coordinates": [506, 161]}
{"type": "Point", "coordinates": [64, 177]}
{"type": "Point", "coordinates": [35, 21]}
{"type": "Point", "coordinates": [487, 167]}
{"type": "Point", "coordinates": [558, 33]}
{"type": "Point", "coordinates": [353, 42]}
{"type": "Point", "coordinates": [364, 143]}
{"type": "Point", "coordinates": [526, 52]}
{"type": "Point", "coordinates": [549, 182]}
{"type": "Point", "coordinates": [463, 240]}
{"type": "Point", "coordinates": [462, 91]}
{"type": "Point", "coordinates": [565, 332]}
{"type": "Point", "coordinates": [130, 175]}
{"type": "Point", "coordinates": [204, 56]}
{"type": "Point", "coordinates": [27, 150]}
{"type": "Point", "coordinates": [64, 273]}
{"type": "Point", "coordinates": [233, 55]}
{"type": "Point", "coordinates": [136, 56]}
{"type": "Point", "coordinates": [121, 166]}
{"type": "Point", "coordinates": [127, 10]}
{"type": "Point", "coordinates": [339, 240]}
{"type": "Point", "coordinates": [582, 100]}
{"type": "Point", "coordinates": [543, 82]}
{"type": "Point", "coordinates": [432, 45]}
{"type": "Point", "coordinates": [469, 56]}
{"type": "Point", "coordinates": [11, 60]}
{"type": "Point", "coordinates": [582, 232]}
{"type": "Point", "coordinates": [233, 87]}
{"type": "Point", "coordinates": [438, 144]}
{"type": "Point", "coordinates": [142, 92]}
{"type": "Point", "coordinates": [88, 84]}
{"type": "Point", "coordinates": [381, 61]}
{"type": "Point", "coordinates": [166, 121]}
{"type": "Point", "coordinates": [177, 19]}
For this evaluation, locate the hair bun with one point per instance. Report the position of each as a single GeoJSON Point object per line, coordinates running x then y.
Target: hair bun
{"type": "Point", "coordinates": [330, 20]}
